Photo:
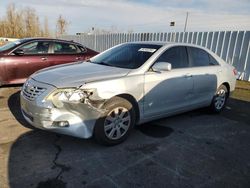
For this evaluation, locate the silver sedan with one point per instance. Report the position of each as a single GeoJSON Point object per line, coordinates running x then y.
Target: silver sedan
{"type": "Point", "coordinates": [129, 84]}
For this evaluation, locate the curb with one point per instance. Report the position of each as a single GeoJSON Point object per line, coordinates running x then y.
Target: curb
{"type": "Point", "coordinates": [242, 88]}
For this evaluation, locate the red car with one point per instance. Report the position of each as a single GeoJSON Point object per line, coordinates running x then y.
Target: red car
{"type": "Point", "coordinates": [19, 59]}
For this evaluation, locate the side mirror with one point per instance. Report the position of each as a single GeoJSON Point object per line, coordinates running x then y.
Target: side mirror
{"type": "Point", "coordinates": [162, 66]}
{"type": "Point", "coordinates": [19, 52]}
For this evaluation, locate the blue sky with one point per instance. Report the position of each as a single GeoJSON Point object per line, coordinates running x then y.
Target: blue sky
{"type": "Point", "coordinates": [141, 15]}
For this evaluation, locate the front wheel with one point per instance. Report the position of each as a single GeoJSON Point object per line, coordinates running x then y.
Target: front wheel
{"type": "Point", "coordinates": [116, 123]}
{"type": "Point", "coordinates": [219, 100]}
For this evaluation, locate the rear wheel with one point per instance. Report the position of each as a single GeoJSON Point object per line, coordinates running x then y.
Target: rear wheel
{"type": "Point", "coordinates": [219, 100]}
{"type": "Point", "coordinates": [116, 123]}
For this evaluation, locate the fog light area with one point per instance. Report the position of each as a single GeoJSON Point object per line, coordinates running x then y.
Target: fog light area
{"type": "Point", "coordinates": [60, 124]}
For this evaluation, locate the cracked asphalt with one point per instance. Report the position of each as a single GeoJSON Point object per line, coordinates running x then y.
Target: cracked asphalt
{"type": "Point", "coordinates": [194, 149]}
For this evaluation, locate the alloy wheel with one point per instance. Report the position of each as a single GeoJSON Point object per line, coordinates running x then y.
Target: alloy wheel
{"type": "Point", "coordinates": [117, 123]}
{"type": "Point", "coordinates": [220, 99]}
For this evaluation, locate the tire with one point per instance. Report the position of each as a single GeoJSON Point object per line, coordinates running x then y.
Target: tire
{"type": "Point", "coordinates": [219, 100]}
{"type": "Point", "coordinates": [117, 122]}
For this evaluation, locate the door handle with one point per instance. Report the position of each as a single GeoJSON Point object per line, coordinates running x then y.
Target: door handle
{"type": "Point", "coordinates": [44, 58]}
{"type": "Point", "coordinates": [78, 58]}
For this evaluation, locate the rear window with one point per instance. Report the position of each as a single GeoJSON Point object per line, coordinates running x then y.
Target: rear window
{"type": "Point", "coordinates": [198, 57]}
{"type": "Point", "coordinates": [82, 48]}
{"type": "Point", "coordinates": [65, 48]}
{"type": "Point", "coordinates": [213, 61]}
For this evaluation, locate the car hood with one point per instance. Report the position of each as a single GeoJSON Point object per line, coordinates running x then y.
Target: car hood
{"type": "Point", "coordinates": [76, 74]}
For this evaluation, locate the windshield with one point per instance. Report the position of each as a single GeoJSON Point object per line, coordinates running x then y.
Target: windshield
{"type": "Point", "coordinates": [10, 45]}
{"type": "Point", "coordinates": [130, 56]}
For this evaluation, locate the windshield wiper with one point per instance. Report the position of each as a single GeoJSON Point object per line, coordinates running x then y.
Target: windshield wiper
{"type": "Point", "coordinates": [99, 63]}
{"type": "Point", "coordinates": [103, 63]}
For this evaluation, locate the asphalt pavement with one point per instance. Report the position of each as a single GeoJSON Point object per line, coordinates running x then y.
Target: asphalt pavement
{"type": "Point", "coordinates": [194, 149]}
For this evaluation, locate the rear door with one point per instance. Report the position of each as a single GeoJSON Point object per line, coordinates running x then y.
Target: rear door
{"type": "Point", "coordinates": [64, 52]}
{"type": "Point", "coordinates": [35, 57]}
{"type": "Point", "coordinates": [205, 71]}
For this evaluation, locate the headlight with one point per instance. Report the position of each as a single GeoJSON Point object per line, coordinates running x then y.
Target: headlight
{"type": "Point", "coordinates": [68, 95]}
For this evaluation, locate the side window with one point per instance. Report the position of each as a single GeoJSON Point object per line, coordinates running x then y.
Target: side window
{"type": "Point", "coordinates": [82, 49]}
{"type": "Point", "coordinates": [212, 60]}
{"type": "Point", "coordinates": [64, 48]}
{"type": "Point", "coordinates": [199, 57]}
{"type": "Point", "coordinates": [38, 47]}
{"type": "Point", "coordinates": [177, 56]}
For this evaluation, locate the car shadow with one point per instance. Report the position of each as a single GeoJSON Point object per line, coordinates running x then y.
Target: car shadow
{"type": "Point", "coordinates": [15, 108]}
{"type": "Point", "coordinates": [35, 154]}
{"type": "Point", "coordinates": [11, 86]}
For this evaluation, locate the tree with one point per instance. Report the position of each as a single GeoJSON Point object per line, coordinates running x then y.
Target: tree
{"type": "Point", "coordinates": [32, 24]}
{"type": "Point", "coordinates": [24, 22]}
{"type": "Point", "coordinates": [61, 25]}
{"type": "Point", "coordinates": [11, 21]}
{"type": "Point", "coordinates": [46, 28]}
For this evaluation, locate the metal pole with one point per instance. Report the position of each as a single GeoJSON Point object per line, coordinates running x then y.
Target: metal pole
{"type": "Point", "coordinates": [185, 27]}
{"type": "Point", "coordinates": [95, 45]}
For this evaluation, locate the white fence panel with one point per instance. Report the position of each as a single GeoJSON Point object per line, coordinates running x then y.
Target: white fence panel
{"type": "Point", "coordinates": [232, 46]}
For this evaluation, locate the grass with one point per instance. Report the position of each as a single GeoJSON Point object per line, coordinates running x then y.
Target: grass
{"type": "Point", "coordinates": [242, 91]}
{"type": "Point", "coordinates": [243, 84]}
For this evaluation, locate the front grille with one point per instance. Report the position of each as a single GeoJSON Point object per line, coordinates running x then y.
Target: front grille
{"type": "Point", "coordinates": [30, 91]}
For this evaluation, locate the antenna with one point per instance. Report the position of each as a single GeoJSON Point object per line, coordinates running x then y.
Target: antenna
{"type": "Point", "coordinates": [185, 27]}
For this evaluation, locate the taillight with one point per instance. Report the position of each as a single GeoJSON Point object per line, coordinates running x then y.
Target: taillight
{"type": "Point", "coordinates": [235, 72]}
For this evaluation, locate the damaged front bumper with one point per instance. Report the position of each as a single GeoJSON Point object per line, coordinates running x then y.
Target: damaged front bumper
{"type": "Point", "coordinates": [74, 119]}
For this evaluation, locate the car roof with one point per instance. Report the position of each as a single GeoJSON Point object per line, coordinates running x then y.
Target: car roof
{"type": "Point", "coordinates": [52, 39]}
{"type": "Point", "coordinates": [148, 42]}
{"type": "Point", "coordinates": [167, 43]}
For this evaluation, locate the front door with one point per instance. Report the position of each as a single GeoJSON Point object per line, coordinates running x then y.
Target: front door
{"type": "Point", "coordinates": [35, 57]}
{"type": "Point", "coordinates": [169, 91]}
